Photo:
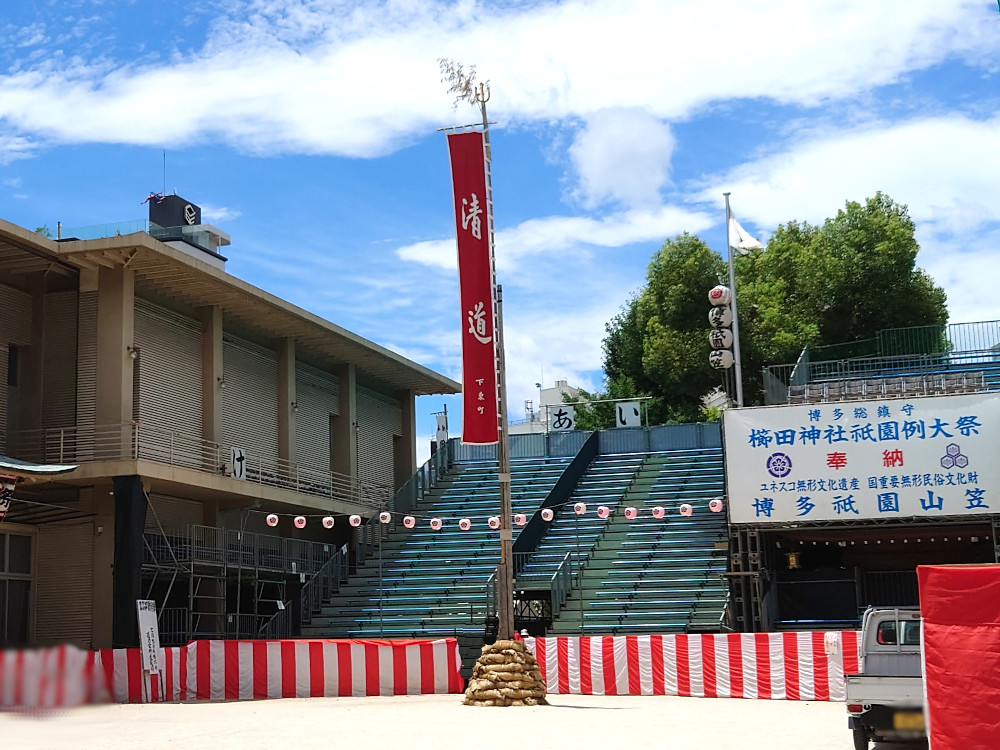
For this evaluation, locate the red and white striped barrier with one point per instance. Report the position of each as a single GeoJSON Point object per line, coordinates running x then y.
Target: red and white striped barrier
{"type": "Point", "coordinates": [779, 666]}
{"type": "Point", "coordinates": [251, 670]}
{"type": "Point", "coordinates": [57, 677]}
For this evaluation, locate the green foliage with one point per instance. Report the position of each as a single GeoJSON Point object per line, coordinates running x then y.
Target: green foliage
{"type": "Point", "coordinates": [813, 286]}
{"type": "Point", "coordinates": [711, 414]}
{"type": "Point", "coordinates": [657, 345]}
{"type": "Point", "coordinates": [44, 231]}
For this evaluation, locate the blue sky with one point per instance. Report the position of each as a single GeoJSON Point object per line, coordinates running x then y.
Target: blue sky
{"type": "Point", "coordinates": [307, 130]}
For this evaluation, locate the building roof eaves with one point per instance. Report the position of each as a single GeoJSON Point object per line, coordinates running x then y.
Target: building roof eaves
{"type": "Point", "coordinates": [202, 285]}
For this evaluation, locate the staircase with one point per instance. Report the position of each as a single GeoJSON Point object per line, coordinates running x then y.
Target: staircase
{"type": "Point", "coordinates": [604, 483]}
{"type": "Point", "coordinates": [657, 576]}
{"type": "Point", "coordinates": [433, 583]}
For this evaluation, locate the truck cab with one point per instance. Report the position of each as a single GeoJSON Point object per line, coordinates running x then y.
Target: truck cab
{"type": "Point", "coordinates": [885, 700]}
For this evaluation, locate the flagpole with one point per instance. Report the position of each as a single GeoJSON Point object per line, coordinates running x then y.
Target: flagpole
{"type": "Point", "coordinates": [737, 357]}
{"type": "Point", "coordinates": [505, 570]}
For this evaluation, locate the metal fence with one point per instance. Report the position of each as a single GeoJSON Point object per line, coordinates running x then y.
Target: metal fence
{"type": "Point", "coordinates": [622, 440]}
{"type": "Point", "coordinates": [562, 584]}
{"type": "Point", "coordinates": [878, 377]}
{"type": "Point", "coordinates": [212, 545]}
{"type": "Point", "coordinates": [81, 444]}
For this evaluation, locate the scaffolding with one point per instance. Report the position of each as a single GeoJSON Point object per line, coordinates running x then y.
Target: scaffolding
{"type": "Point", "coordinates": [213, 582]}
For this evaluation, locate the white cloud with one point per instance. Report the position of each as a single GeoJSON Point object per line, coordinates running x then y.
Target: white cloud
{"type": "Point", "coordinates": [14, 147]}
{"type": "Point", "coordinates": [968, 268]}
{"type": "Point", "coordinates": [622, 155]}
{"type": "Point", "coordinates": [554, 235]}
{"type": "Point", "coordinates": [218, 213]}
{"type": "Point", "coordinates": [946, 169]}
{"type": "Point", "coordinates": [360, 79]}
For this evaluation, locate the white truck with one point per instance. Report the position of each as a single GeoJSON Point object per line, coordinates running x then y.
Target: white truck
{"type": "Point", "coordinates": [885, 700]}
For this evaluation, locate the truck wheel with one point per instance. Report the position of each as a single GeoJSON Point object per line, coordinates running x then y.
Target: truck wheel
{"type": "Point", "coordinates": [860, 739]}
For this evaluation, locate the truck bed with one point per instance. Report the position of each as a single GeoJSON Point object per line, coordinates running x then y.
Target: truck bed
{"type": "Point", "coordinates": [887, 690]}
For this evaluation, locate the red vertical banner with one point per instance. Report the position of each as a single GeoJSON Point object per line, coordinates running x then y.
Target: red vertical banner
{"type": "Point", "coordinates": [475, 282]}
{"type": "Point", "coordinates": [961, 654]}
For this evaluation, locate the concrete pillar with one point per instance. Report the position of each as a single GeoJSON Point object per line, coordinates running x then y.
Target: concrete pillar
{"type": "Point", "coordinates": [115, 333]}
{"type": "Point", "coordinates": [404, 447]}
{"type": "Point", "coordinates": [30, 394]}
{"type": "Point", "coordinates": [102, 608]}
{"type": "Point", "coordinates": [343, 428]}
{"type": "Point", "coordinates": [286, 400]}
{"type": "Point", "coordinates": [211, 370]}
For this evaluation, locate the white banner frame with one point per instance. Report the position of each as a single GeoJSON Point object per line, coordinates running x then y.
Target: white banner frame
{"type": "Point", "coordinates": [896, 458]}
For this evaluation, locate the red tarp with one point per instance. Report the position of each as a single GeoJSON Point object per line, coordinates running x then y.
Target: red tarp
{"type": "Point", "coordinates": [960, 605]}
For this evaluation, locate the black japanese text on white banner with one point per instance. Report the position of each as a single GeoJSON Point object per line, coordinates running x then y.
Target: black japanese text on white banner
{"type": "Point", "coordinates": [893, 458]}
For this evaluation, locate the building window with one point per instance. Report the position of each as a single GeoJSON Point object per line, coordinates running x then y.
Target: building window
{"type": "Point", "coordinates": [13, 357]}
{"type": "Point", "coordinates": [15, 589]}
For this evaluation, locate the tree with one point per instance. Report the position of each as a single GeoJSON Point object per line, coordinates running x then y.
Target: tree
{"type": "Point", "coordinates": [840, 282]}
{"type": "Point", "coordinates": [44, 231]}
{"type": "Point", "coordinates": [657, 345]}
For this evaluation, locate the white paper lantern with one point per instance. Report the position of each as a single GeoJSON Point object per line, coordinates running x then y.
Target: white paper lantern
{"type": "Point", "coordinates": [520, 519]}
{"type": "Point", "coordinates": [659, 512]}
{"type": "Point", "coordinates": [272, 520]}
{"type": "Point", "coordinates": [465, 524]}
{"type": "Point", "coordinates": [631, 513]}
{"type": "Point", "coordinates": [720, 317]}
{"type": "Point", "coordinates": [328, 522]}
{"type": "Point", "coordinates": [686, 509]}
{"type": "Point", "coordinates": [385, 516]}
{"type": "Point", "coordinates": [436, 524]}
{"type": "Point", "coordinates": [494, 522]}
{"type": "Point", "coordinates": [715, 505]}
{"type": "Point", "coordinates": [720, 338]}
{"type": "Point", "coordinates": [720, 359]}
{"type": "Point", "coordinates": [719, 295]}
{"type": "Point", "coordinates": [603, 511]}
{"type": "Point", "coordinates": [409, 522]}
{"type": "Point", "coordinates": [580, 508]}
{"type": "Point", "coordinates": [300, 522]}
{"type": "Point", "coordinates": [547, 514]}
{"type": "Point", "coordinates": [355, 521]}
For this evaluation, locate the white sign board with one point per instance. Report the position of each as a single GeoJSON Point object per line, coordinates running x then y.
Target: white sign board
{"type": "Point", "coordinates": [149, 635]}
{"type": "Point", "coordinates": [895, 458]}
{"type": "Point", "coordinates": [627, 414]}
{"type": "Point", "coordinates": [238, 460]}
{"type": "Point", "coordinates": [562, 418]}
{"type": "Point", "coordinates": [441, 437]}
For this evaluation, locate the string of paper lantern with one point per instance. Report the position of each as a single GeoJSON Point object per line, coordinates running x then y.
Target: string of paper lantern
{"type": "Point", "coordinates": [436, 523]}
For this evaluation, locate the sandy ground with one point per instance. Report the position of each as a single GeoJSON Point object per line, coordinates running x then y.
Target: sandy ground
{"type": "Point", "coordinates": [438, 721]}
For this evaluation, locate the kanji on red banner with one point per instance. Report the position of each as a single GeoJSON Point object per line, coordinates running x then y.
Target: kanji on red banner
{"type": "Point", "coordinates": [475, 281]}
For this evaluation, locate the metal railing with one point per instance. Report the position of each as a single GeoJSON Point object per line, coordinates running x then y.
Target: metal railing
{"type": "Point", "coordinates": [953, 338]}
{"type": "Point", "coordinates": [81, 444]}
{"type": "Point", "coordinates": [875, 377]}
{"type": "Point", "coordinates": [423, 480]}
{"type": "Point", "coordinates": [321, 585]}
{"type": "Point", "coordinates": [562, 584]}
{"type": "Point", "coordinates": [211, 545]}
{"type": "Point", "coordinates": [173, 625]}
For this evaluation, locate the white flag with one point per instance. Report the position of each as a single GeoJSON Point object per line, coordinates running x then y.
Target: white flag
{"type": "Point", "coordinates": [740, 239]}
